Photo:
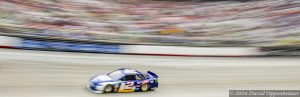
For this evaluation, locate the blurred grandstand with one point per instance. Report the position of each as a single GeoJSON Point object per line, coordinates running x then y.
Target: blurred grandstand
{"type": "Point", "coordinates": [196, 23]}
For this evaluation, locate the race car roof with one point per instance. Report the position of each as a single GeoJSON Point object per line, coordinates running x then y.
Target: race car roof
{"type": "Point", "coordinates": [127, 71]}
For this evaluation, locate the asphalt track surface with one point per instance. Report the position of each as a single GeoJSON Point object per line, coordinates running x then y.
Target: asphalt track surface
{"type": "Point", "coordinates": [60, 74]}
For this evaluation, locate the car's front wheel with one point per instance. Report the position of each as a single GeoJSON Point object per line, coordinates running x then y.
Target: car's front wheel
{"type": "Point", "coordinates": [108, 89]}
{"type": "Point", "coordinates": [145, 87]}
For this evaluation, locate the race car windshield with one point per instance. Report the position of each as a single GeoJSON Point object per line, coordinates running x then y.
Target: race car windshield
{"type": "Point", "coordinates": [116, 75]}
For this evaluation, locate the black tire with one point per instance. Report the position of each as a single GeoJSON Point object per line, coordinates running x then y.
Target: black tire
{"type": "Point", "coordinates": [108, 89]}
{"type": "Point", "coordinates": [145, 88]}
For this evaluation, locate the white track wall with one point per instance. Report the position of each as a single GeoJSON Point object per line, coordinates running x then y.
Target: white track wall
{"type": "Point", "coordinates": [161, 50]}
{"type": "Point", "coordinates": [190, 51]}
{"type": "Point", "coordinates": [9, 41]}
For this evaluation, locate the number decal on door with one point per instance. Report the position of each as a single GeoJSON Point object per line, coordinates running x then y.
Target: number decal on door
{"type": "Point", "coordinates": [127, 87]}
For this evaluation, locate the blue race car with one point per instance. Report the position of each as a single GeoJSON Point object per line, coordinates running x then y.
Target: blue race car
{"type": "Point", "coordinates": [123, 80]}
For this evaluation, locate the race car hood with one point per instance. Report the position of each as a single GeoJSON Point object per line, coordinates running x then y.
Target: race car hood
{"type": "Point", "coordinates": [101, 78]}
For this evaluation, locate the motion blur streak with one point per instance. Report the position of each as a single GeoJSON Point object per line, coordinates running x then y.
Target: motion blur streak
{"type": "Point", "coordinates": [58, 74]}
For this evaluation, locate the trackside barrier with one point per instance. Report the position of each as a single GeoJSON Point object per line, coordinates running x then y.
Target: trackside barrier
{"type": "Point", "coordinates": [9, 42]}
{"type": "Point", "coordinates": [190, 51]}
{"type": "Point", "coordinates": [69, 46]}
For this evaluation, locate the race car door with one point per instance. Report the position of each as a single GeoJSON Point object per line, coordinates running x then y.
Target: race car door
{"type": "Point", "coordinates": [128, 83]}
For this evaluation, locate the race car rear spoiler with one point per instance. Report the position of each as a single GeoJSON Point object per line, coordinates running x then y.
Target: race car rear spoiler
{"type": "Point", "coordinates": [152, 74]}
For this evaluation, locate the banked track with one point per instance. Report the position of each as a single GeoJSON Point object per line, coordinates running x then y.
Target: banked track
{"type": "Point", "coordinates": [25, 73]}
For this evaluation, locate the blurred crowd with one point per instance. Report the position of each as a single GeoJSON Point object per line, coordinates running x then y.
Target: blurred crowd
{"type": "Point", "coordinates": [262, 22]}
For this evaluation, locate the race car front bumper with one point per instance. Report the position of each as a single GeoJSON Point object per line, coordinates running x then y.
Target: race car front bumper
{"type": "Point", "coordinates": [94, 89]}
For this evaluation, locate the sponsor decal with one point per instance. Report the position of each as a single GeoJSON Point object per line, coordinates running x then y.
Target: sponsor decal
{"type": "Point", "coordinates": [69, 46]}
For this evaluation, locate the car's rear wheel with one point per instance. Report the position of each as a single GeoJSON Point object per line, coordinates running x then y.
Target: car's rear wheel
{"type": "Point", "coordinates": [145, 87]}
{"type": "Point", "coordinates": [108, 89]}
